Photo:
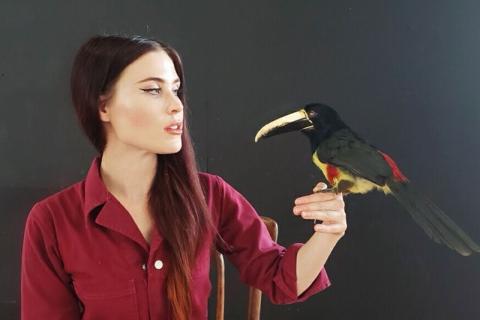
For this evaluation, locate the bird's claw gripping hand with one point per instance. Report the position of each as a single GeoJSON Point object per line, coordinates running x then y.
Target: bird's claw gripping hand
{"type": "Point", "coordinates": [334, 189]}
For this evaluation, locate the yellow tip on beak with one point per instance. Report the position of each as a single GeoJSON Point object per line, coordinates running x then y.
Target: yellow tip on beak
{"type": "Point", "coordinates": [277, 125]}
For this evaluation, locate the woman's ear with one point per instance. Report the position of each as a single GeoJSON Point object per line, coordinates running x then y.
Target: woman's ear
{"type": "Point", "coordinates": [103, 109]}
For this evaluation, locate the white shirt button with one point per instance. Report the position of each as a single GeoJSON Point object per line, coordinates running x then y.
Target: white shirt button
{"type": "Point", "coordinates": [158, 264]}
{"type": "Point", "coordinates": [144, 266]}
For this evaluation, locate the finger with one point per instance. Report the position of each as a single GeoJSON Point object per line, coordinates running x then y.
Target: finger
{"type": "Point", "coordinates": [314, 197]}
{"type": "Point", "coordinates": [330, 228]}
{"type": "Point", "coordinates": [329, 216]}
{"type": "Point", "coordinates": [320, 186]}
{"type": "Point", "coordinates": [334, 204]}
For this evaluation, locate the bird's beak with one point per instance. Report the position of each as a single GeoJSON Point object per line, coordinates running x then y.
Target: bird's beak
{"type": "Point", "coordinates": [295, 121]}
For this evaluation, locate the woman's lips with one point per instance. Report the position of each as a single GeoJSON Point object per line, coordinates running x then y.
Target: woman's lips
{"type": "Point", "coordinates": [173, 131]}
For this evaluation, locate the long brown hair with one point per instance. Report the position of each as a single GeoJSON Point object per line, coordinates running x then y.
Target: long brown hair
{"type": "Point", "coordinates": [175, 197]}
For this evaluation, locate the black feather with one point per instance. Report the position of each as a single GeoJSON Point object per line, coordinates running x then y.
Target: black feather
{"type": "Point", "coordinates": [432, 219]}
{"type": "Point", "coordinates": [346, 150]}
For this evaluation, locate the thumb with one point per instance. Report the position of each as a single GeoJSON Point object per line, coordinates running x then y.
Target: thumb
{"type": "Point", "coordinates": [320, 186]}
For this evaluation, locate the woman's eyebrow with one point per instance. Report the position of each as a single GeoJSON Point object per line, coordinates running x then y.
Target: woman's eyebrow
{"type": "Point", "coordinates": [158, 79]}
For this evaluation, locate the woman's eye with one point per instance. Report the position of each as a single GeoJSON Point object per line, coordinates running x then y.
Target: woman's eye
{"type": "Point", "coordinates": [157, 90]}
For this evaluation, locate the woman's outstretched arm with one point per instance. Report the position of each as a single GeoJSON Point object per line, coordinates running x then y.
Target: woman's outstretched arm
{"type": "Point", "coordinates": [311, 258]}
{"type": "Point", "coordinates": [261, 262]}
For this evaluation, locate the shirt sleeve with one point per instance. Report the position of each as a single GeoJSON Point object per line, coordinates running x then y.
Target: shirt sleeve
{"type": "Point", "coordinates": [45, 289]}
{"type": "Point", "coordinates": [261, 262]}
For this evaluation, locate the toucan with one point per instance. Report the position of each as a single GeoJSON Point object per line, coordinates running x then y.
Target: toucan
{"type": "Point", "coordinates": [350, 164]}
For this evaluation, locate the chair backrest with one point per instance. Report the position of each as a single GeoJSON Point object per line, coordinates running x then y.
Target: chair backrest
{"type": "Point", "coordinates": [255, 295]}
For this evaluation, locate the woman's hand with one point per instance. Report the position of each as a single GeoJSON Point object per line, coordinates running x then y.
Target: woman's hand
{"type": "Point", "coordinates": [326, 206]}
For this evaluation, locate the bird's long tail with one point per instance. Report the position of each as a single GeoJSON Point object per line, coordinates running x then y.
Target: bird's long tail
{"type": "Point", "coordinates": [432, 219]}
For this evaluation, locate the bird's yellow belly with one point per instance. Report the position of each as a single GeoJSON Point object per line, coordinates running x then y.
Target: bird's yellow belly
{"type": "Point", "coordinates": [360, 185]}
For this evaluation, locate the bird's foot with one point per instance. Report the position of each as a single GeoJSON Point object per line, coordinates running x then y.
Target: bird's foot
{"type": "Point", "coordinates": [334, 189]}
{"type": "Point", "coordinates": [343, 186]}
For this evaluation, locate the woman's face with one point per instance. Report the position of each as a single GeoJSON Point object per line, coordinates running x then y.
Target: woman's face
{"type": "Point", "coordinates": [143, 103]}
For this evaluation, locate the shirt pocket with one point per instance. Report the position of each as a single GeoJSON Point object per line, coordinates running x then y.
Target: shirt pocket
{"type": "Point", "coordinates": [117, 302]}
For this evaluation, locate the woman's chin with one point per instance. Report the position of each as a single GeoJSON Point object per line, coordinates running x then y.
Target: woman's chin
{"type": "Point", "coordinates": [171, 150]}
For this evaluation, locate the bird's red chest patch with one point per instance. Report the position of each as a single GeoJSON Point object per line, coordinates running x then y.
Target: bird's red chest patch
{"type": "Point", "coordinates": [332, 172]}
{"type": "Point", "coordinates": [397, 174]}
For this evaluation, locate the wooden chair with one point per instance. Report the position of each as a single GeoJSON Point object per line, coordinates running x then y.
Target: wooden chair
{"type": "Point", "coordinates": [255, 295]}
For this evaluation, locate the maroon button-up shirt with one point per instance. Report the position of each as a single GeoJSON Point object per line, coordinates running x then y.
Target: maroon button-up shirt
{"type": "Point", "coordinates": [83, 256]}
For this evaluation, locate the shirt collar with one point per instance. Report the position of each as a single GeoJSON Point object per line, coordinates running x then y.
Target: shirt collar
{"type": "Point", "coordinates": [113, 214]}
{"type": "Point", "coordinates": [95, 191]}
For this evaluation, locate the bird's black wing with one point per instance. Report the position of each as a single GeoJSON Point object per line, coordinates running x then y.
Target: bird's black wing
{"type": "Point", "coordinates": [347, 150]}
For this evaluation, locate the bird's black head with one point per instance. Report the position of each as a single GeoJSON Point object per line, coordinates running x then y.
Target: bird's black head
{"type": "Point", "coordinates": [324, 118]}
{"type": "Point", "coordinates": [316, 120]}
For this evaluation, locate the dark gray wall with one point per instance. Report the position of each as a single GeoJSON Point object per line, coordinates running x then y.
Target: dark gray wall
{"type": "Point", "coordinates": [403, 74]}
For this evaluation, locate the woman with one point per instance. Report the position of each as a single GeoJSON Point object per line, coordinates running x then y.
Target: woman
{"type": "Point", "coordinates": [132, 240]}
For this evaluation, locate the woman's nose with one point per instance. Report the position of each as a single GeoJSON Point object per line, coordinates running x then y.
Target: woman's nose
{"type": "Point", "coordinates": [175, 106]}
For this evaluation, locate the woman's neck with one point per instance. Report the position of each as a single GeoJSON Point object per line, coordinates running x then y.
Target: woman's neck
{"type": "Point", "coordinates": [128, 175]}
